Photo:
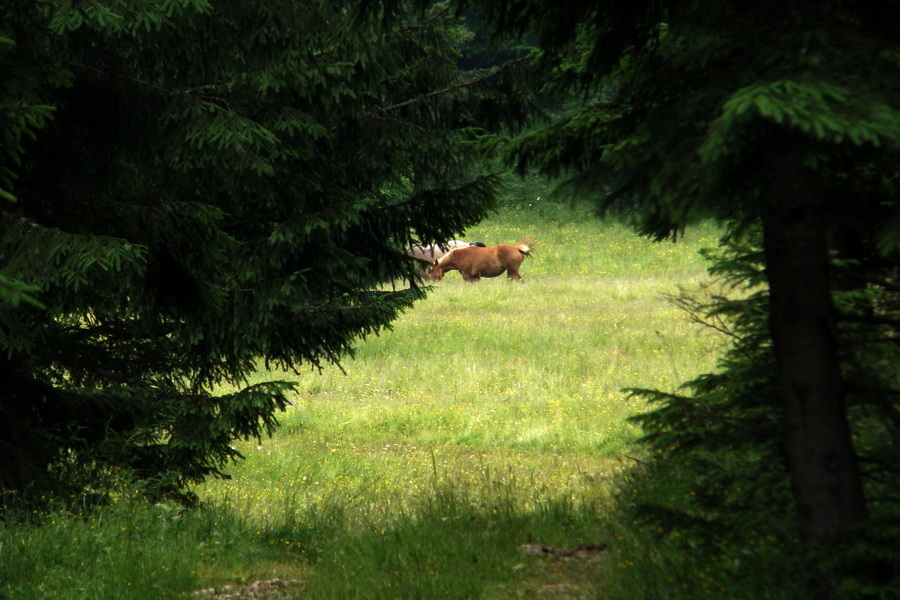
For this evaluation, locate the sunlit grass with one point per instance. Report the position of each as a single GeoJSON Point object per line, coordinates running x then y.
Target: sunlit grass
{"type": "Point", "coordinates": [501, 392]}
{"type": "Point", "coordinates": [491, 416]}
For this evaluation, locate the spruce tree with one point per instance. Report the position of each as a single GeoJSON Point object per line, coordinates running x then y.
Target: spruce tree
{"type": "Point", "coordinates": [785, 114]}
{"type": "Point", "coordinates": [192, 190]}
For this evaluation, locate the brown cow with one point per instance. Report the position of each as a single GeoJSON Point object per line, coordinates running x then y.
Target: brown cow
{"type": "Point", "coordinates": [473, 262]}
{"type": "Point", "coordinates": [429, 254]}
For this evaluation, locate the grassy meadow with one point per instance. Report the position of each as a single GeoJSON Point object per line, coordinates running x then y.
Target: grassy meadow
{"type": "Point", "coordinates": [470, 452]}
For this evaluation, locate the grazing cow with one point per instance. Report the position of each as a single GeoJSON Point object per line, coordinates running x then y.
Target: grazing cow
{"type": "Point", "coordinates": [473, 262]}
{"type": "Point", "coordinates": [433, 252]}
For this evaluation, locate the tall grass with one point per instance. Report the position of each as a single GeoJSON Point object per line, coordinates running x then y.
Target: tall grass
{"type": "Point", "coordinates": [490, 418]}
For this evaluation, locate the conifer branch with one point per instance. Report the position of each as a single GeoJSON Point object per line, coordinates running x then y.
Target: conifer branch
{"type": "Point", "coordinates": [217, 100]}
{"type": "Point", "coordinates": [447, 90]}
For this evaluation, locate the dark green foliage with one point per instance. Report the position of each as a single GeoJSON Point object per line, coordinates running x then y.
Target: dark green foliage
{"type": "Point", "coordinates": [192, 187]}
{"type": "Point", "coordinates": [678, 102]}
{"type": "Point", "coordinates": [725, 431]}
{"type": "Point", "coordinates": [720, 443]}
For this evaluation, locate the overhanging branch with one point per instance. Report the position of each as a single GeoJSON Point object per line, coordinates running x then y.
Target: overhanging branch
{"type": "Point", "coordinates": [447, 90]}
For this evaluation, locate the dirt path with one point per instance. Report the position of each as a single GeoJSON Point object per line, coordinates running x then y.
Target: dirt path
{"type": "Point", "coordinates": [271, 589]}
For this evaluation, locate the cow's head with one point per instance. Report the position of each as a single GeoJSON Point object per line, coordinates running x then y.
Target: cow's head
{"type": "Point", "coordinates": [435, 272]}
{"type": "Point", "coordinates": [442, 265]}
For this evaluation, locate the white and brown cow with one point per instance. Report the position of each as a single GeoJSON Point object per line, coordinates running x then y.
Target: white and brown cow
{"type": "Point", "coordinates": [474, 262]}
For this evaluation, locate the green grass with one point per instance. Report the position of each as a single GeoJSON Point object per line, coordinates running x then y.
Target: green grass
{"type": "Point", "coordinates": [490, 417]}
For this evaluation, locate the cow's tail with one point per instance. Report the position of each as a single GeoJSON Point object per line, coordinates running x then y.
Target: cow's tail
{"type": "Point", "coordinates": [526, 246]}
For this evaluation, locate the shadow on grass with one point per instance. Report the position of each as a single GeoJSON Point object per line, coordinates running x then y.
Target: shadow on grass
{"type": "Point", "coordinates": [453, 545]}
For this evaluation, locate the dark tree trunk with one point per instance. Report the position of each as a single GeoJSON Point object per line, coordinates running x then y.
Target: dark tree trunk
{"type": "Point", "coordinates": [825, 477]}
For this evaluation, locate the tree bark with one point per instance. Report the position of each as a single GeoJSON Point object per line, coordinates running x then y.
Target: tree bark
{"type": "Point", "coordinates": [825, 476]}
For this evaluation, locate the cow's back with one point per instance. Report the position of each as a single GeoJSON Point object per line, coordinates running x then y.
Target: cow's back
{"type": "Point", "coordinates": [474, 262]}
{"type": "Point", "coordinates": [487, 262]}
